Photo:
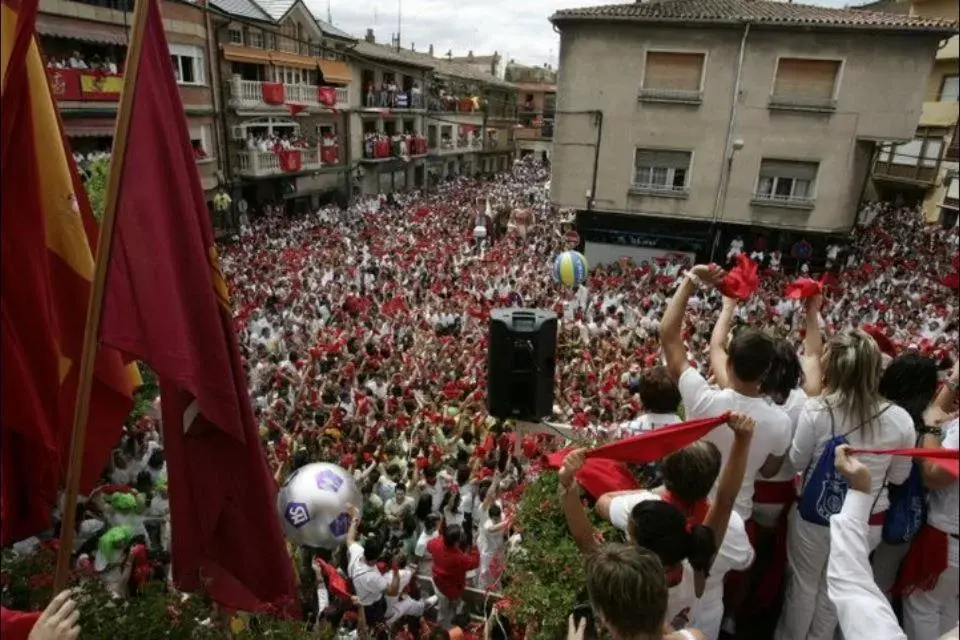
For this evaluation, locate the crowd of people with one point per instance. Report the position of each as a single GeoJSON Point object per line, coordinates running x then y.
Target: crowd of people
{"type": "Point", "coordinates": [81, 62]}
{"type": "Point", "coordinates": [364, 333]}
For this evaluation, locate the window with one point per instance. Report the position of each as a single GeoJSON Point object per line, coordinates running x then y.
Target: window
{"type": "Point", "coordinates": [187, 63]}
{"type": "Point", "coordinates": [269, 40]}
{"type": "Point", "coordinates": [950, 89]}
{"type": "Point", "coordinates": [787, 181]}
{"type": "Point", "coordinates": [669, 75]}
{"type": "Point", "coordinates": [805, 83]}
{"type": "Point", "coordinates": [922, 152]}
{"type": "Point", "coordinates": [661, 171]}
{"type": "Point", "coordinates": [236, 35]}
{"type": "Point", "coordinates": [256, 39]}
{"type": "Point", "coordinates": [200, 140]}
{"type": "Point", "coordinates": [931, 153]}
{"type": "Point", "coordinates": [953, 189]}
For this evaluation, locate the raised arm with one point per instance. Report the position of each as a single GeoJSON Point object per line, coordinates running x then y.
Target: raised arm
{"type": "Point", "coordinates": [731, 478]}
{"type": "Point", "coordinates": [718, 342]}
{"type": "Point", "coordinates": [576, 516]}
{"type": "Point", "coordinates": [812, 349]}
{"type": "Point", "coordinates": [671, 324]}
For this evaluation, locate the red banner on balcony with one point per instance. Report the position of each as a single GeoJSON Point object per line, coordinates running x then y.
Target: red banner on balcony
{"type": "Point", "coordinates": [291, 160]}
{"type": "Point", "coordinates": [83, 85]}
{"type": "Point", "coordinates": [273, 93]}
{"type": "Point", "coordinates": [382, 149]}
{"type": "Point", "coordinates": [330, 155]}
{"type": "Point", "coordinates": [327, 96]}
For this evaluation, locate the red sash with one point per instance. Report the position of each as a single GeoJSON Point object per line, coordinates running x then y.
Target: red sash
{"type": "Point", "coordinates": [767, 492]}
{"type": "Point", "coordinates": [924, 563]}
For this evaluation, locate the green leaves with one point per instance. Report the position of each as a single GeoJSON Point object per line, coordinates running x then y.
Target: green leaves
{"type": "Point", "coordinates": [95, 175]}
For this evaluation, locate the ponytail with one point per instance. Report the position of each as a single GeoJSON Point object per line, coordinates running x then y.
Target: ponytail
{"type": "Point", "coordinates": [701, 548]}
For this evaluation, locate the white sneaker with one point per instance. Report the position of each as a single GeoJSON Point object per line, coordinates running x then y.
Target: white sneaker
{"type": "Point", "coordinates": [430, 602]}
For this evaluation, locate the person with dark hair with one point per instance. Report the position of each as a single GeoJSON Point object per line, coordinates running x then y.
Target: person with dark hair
{"type": "Point", "coordinates": [660, 399]}
{"type": "Point", "coordinates": [910, 382]}
{"type": "Point", "coordinates": [740, 372]}
{"type": "Point", "coordinates": [452, 559]}
{"type": "Point", "coordinates": [370, 586]}
{"type": "Point", "coordinates": [678, 523]}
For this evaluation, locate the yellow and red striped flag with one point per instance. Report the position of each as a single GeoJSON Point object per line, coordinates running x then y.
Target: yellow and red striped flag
{"type": "Point", "coordinates": [47, 243]}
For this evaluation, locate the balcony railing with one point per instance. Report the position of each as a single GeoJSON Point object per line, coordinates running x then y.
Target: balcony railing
{"type": "Point", "coordinates": [267, 163]}
{"type": "Point", "coordinates": [802, 103]}
{"type": "Point", "coordinates": [76, 85]}
{"type": "Point", "coordinates": [778, 200]}
{"type": "Point", "coordinates": [249, 94]}
{"type": "Point", "coordinates": [679, 96]}
{"type": "Point", "coordinates": [378, 99]}
{"type": "Point", "coordinates": [902, 172]}
{"type": "Point", "coordinates": [655, 189]}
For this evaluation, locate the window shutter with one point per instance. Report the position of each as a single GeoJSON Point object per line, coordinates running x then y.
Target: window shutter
{"type": "Point", "coordinates": [789, 169]}
{"type": "Point", "coordinates": [673, 71]}
{"type": "Point", "coordinates": [810, 79]}
{"type": "Point", "coordinates": [655, 158]}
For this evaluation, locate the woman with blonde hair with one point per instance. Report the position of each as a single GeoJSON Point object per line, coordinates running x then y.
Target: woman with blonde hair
{"type": "Point", "coordinates": [850, 406]}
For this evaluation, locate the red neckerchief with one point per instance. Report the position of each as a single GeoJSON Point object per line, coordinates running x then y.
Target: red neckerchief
{"type": "Point", "coordinates": [695, 513]}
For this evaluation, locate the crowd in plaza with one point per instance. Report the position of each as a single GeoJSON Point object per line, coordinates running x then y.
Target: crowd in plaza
{"type": "Point", "coordinates": [365, 333]}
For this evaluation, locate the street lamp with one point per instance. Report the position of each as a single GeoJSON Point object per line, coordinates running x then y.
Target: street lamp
{"type": "Point", "coordinates": [735, 146]}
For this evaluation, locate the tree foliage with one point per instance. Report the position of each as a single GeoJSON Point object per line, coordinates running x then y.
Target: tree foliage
{"type": "Point", "coordinates": [95, 175]}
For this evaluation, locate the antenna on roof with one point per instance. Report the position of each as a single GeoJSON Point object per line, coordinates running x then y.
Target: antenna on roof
{"type": "Point", "coordinates": [329, 15]}
{"type": "Point", "coordinates": [398, 24]}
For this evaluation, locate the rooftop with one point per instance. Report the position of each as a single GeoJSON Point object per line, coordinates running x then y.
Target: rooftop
{"type": "Point", "coordinates": [276, 9]}
{"type": "Point", "coordinates": [441, 66]}
{"type": "Point", "coordinates": [760, 12]}
{"type": "Point", "coordinates": [242, 8]}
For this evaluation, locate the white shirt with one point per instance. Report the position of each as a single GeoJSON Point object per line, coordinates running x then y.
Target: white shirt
{"type": "Point", "coordinates": [944, 504]}
{"type": "Point", "coordinates": [490, 540]}
{"type": "Point", "coordinates": [863, 611]}
{"type": "Point", "coordinates": [648, 422]}
{"type": "Point", "coordinates": [425, 568]}
{"type": "Point", "coordinates": [771, 437]}
{"type": "Point", "coordinates": [893, 429]}
{"type": "Point", "coordinates": [368, 582]}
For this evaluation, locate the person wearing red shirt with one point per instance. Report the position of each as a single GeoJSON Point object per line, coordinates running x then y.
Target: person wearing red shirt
{"type": "Point", "coordinates": [451, 562]}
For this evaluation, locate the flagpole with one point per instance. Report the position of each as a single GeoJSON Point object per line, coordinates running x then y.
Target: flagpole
{"type": "Point", "coordinates": [91, 336]}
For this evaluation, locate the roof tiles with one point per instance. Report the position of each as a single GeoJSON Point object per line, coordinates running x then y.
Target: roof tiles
{"type": "Point", "coordinates": [753, 11]}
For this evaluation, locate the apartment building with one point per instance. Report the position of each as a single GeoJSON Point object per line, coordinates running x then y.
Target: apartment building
{"type": "Point", "coordinates": [85, 45]}
{"type": "Point", "coordinates": [683, 124]}
{"type": "Point", "coordinates": [926, 168]}
{"type": "Point", "coordinates": [284, 88]}
{"type": "Point", "coordinates": [536, 108]}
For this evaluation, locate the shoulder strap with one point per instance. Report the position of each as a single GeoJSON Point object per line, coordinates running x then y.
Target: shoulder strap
{"type": "Point", "coordinates": [869, 420]}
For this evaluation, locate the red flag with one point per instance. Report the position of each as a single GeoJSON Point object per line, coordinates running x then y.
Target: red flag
{"type": "Point", "coordinates": [741, 281]}
{"type": "Point", "coordinates": [166, 303]}
{"type": "Point", "coordinates": [883, 341]}
{"type": "Point", "coordinates": [951, 281]}
{"type": "Point", "coordinates": [949, 459]}
{"type": "Point", "coordinates": [803, 288]}
{"type": "Point", "coordinates": [48, 242]}
{"type": "Point", "coordinates": [335, 582]}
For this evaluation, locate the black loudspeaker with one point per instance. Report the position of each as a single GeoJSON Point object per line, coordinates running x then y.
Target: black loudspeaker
{"type": "Point", "coordinates": [521, 360]}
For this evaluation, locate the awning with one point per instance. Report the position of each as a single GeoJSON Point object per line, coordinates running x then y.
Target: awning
{"type": "Point", "coordinates": [73, 29]}
{"type": "Point", "coordinates": [88, 127]}
{"type": "Point", "coordinates": [292, 60]}
{"type": "Point", "coordinates": [236, 53]}
{"type": "Point", "coordinates": [335, 71]}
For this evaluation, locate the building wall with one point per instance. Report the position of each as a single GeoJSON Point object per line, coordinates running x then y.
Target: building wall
{"type": "Point", "coordinates": [601, 67]}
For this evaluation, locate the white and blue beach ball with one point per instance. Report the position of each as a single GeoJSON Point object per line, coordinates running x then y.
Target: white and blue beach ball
{"type": "Point", "coordinates": [570, 268]}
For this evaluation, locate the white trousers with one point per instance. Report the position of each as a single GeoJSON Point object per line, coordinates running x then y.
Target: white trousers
{"type": "Point", "coordinates": [399, 607]}
{"type": "Point", "coordinates": [446, 610]}
{"type": "Point", "coordinates": [927, 615]}
{"type": "Point", "coordinates": [808, 613]}
{"type": "Point", "coordinates": [886, 562]}
{"type": "Point", "coordinates": [707, 617]}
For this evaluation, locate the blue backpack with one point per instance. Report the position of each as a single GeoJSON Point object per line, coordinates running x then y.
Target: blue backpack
{"type": "Point", "coordinates": [908, 508]}
{"type": "Point", "coordinates": [825, 488]}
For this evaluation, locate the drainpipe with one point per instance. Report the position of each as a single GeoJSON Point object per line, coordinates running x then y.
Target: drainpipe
{"type": "Point", "coordinates": [598, 117]}
{"type": "Point", "coordinates": [214, 84]}
{"type": "Point", "coordinates": [223, 148]}
{"type": "Point", "coordinates": [725, 168]}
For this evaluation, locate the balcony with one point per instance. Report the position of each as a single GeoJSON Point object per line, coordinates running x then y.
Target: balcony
{"type": "Point", "coordinates": [451, 147]}
{"type": "Point", "coordinates": [783, 201]}
{"type": "Point", "coordinates": [659, 190]}
{"type": "Point", "coordinates": [263, 164]}
{"type": "Point", "coordinates": [940, 114]}
{"type": "Point", "coordinates": [449, 104]}
{"type": "Point", "coordinates": [249, 94]}
{"type": "Point", "coordinates": [385, 100]}
{"type": "Point", "coordinates": [913, 173]}
{"type": "Point", "coordinates": [76, 85]}
{"type": "Point", "coordinates": [674, 96]}
{"type": "Point", "coordinates": [802, 103]}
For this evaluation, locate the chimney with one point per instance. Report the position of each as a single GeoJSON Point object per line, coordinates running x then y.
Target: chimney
{"type": "Point", "coordinates": [413, 46]}
{"type": "Point", "coordinates": [430, 51]}
{"type": "Point", "coordinates": [369, 37]}
{"type": "Point", "coordinates": [449, 54]}
{"type": "Point", "coordinates": [470, 56]}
